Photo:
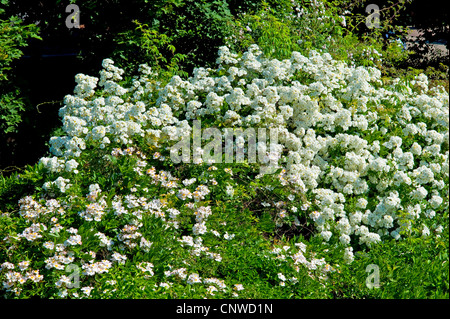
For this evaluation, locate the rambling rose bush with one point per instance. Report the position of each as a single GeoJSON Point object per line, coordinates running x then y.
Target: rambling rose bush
{"type": "Point", "coordinates": [361, 160]}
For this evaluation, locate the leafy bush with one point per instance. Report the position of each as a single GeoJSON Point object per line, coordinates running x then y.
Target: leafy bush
{"type": "Point", "coordinates": [152, 47]}
{"type": "Point", "coordinates": [325, 26]}
{"type": "Point", "coordinates": [359, 163]}
{"type": "Point", "coordinates": [197, 29]}
{"type": "Point", "coordinates": [13, 35]}
{"type": "Point", "coordinates": [416, 268]}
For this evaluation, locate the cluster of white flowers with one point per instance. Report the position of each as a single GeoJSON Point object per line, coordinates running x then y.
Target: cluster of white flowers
{"type": "Point", "coordinates": [33, 232]}
{"type": "Point", "coordinates": [61, 183]}
{"type": "Point", "coordinates": [31, 209]}
{"type": "Point", "coordinates": [15, 280]}
{"type": "Point", "coordinates": [99, 267]}
{"type": "Point", "coordinates": [217, 284]}
{"type": "Point", "coordinates": [194, 279]}
{"type": "Point", "coordinates": [146, 267]}
{"type": "Point", "coordinates": [131, 237]}
{"type": "Point", "coordinates": [59, 260]}
{"type": "Point", "coordinates": [73, 240]}
{"type": "Point", "coordinates": [93, 211]}
{"type": "Point", "coordinates": [179, 273]}
{"type": "Point", "coordinates": [104, 240]}
{"type": "Point", "coordinates": [119, 258]}
{"type": "Point", "coordinates": [229, 190]}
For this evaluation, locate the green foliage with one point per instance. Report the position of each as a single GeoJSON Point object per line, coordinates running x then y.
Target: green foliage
{"type": "Point", "coordinates": [273, 35]}
{"type": "Point", "coordinates": [414, 268]}
{"type": "Point", "coordinates": [10, 112]}
{"type": "Point", "coordinates": [13, 36]}
{"type": "Point", "coordinates": [16, 185]}
{"type": "Point", "coordinates": [281, 27]}
{"type": "Point", "coordinates": [150, 46]}
{"type": "Point", "coordinates": [197, 28]}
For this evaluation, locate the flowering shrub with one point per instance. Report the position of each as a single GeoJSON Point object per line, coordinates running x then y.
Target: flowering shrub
{"type": "Point", "coordinates": [359, 161]}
